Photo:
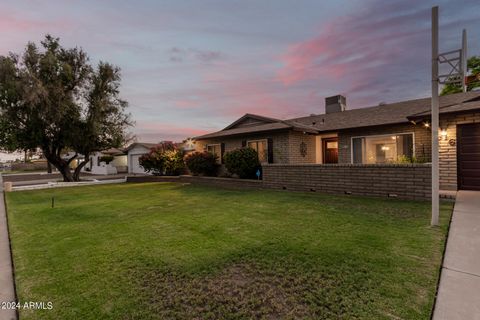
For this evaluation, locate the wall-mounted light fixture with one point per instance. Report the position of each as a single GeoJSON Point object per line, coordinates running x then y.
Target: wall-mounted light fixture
{"type": "Point", "coordinates": [443, 134]}
{"type": "Point", "coordinates": [426, 124]}
{"type": "Point", "coordinates": [190, 144]}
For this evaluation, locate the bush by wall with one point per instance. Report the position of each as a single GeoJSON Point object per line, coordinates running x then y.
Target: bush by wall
{"type": "Point", "coordinates": [164, 159]}
{"type": "Point", "coordinates": [242, 162]}
{"type": "Point", "coordinates": [202, 163]}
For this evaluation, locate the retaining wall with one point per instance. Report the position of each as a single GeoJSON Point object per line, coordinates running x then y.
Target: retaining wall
{"type": "Point", "coordinates": [404, 181]}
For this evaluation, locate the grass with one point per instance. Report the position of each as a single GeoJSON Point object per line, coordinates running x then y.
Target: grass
{"type": "Point", "coordinates": [171, 251]}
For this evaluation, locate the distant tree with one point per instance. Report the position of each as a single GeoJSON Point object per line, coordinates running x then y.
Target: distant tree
{"type": "Point", "coordinates": [473, 65]}
{"type": "Point", "coordinates": [55, 100]}
{"type": "Point", "coordinates": [164, 159]}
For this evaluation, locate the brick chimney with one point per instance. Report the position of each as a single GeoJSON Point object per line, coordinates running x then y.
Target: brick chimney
{"type": "Point", "coordinates": [336, 103]}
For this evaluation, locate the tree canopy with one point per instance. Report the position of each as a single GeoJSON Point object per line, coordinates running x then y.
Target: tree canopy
{"type": "Point", "coordinates": [473, 65]}
{"type": "Point", "coordinates": [55, 100]}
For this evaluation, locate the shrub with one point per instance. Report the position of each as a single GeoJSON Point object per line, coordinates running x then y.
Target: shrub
{"type": "Point", "coordinates": [164, 159]}
{"type": "Point", "coordinates": [406, 159]}
{"type": "Point", "coordinates": [107, 159]}
{"type": "Point", "coordinates": [242, 162]}
{"type": "Point", "coordinates": [202, 163]}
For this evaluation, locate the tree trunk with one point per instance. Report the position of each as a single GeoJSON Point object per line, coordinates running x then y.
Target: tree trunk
{"type": "Point", "coordinates": [63, 166]}
{"type": "Point", "coordinates": [66, 173]}
{"type": "Point", "coordinates": [49, 167]}
{"type": "Point", "coordinates": [76, 173]}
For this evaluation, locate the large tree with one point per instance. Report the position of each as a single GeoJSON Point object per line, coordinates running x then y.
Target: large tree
{"type": "Point", "coordinates": [473, 65]}
{"type": "Point", "coordinates": [55, 100]}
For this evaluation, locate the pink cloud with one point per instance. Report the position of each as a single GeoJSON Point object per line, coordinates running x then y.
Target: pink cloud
{"type": "Point", "coordinates": [153, 131]}
{"type": "Point", "coordinates": [11, 22]}
{"type": "Point", "coordinates": [185, 103]}
{"type": "Point", "coordinates": [354, 48]}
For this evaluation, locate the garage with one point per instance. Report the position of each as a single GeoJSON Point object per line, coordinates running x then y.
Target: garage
{"type": "Point", "coordinates": [135, 151]}
{"type": "Point", "coordinates": [468, 156]}
{"type": "Point", "coordinates": [135, 167]}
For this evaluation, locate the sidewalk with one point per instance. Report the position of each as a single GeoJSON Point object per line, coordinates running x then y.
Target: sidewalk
{"type": "Point", "coordinates": [7, 291]}
{"type": "Point", "coordinates": [459, 290]}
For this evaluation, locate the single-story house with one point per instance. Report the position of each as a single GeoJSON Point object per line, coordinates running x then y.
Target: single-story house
{"type": "Point", "coordinates": [117, 165]}
{"type": "Point", "coordinates": [134, 152]}
{"type": "Point", "coordinates": [386, 133]}
{"type": "Point", "coordinates": [96, 165]}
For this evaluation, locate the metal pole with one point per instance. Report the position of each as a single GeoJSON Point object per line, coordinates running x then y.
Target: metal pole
{"type": "Point", "coordinates": [464, 60]}
{"type": "Point", "coordinates": [435, 103]}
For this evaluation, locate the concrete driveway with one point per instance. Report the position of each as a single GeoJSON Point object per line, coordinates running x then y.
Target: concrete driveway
{"type": "Point", "coordinates": [459, 290]}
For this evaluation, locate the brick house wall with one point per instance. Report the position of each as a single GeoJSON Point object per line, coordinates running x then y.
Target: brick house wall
{"type": "Point", "coordinates": [403, 181]}
{"type": "Point", "coordinates": [280, 144]}
{"type": "Point", "coordinates": [286, 145]}
{"type": "Point", "coordinates": [295, 140]}
{"type": "Point", "coordinates": [422, 139]}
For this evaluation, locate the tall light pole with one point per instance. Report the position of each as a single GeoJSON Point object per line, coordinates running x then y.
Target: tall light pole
{"type": "Point", "coordinates": [435, 121]}
{"type": "Point", "coordinates": [464, 60]}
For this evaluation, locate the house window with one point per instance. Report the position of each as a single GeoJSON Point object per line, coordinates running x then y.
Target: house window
{"type": "Point", "coordinates": [261, 147]}
{"type": "Point", "coordinates": [382, 148]}
{"type": "Point", "coordinates": [216, 150]}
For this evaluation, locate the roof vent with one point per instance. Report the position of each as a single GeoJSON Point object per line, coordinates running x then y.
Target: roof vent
{"type": "Point", "coordinates": [336, 103]}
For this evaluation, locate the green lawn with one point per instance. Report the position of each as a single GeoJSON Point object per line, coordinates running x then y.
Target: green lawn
{"type": "Point", "coordinates": [170, 251]}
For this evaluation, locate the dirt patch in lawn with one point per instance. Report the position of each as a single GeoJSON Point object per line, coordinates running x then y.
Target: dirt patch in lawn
{"type": "Point", "coordinates": [251, 291]}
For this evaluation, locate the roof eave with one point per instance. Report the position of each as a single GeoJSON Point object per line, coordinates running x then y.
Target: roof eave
{"type": "Point", "coordinates": [212, 136]}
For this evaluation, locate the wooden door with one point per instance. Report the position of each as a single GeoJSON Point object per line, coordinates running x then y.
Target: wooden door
{"type": "Point", "coordinates": [330, 150]}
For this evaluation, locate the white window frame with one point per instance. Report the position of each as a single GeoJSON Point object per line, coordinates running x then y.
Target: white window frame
{"type": "Point", "coordinates": [260, 140]}
{"type": "Point", "coordinates": [380, 136]}
{"type": "Point", "coordinates": [219, 159]}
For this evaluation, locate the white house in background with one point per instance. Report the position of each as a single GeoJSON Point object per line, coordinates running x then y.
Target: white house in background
{"type": "Point", "coordinates": [134, 152]}
{"type": "Point", "coordinates": [119, 164]}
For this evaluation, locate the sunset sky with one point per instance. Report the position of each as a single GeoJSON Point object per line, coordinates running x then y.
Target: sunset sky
{"type": "Point", "coordinates": [191, 67]}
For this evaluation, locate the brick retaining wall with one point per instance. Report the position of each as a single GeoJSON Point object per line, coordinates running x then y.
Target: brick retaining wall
{"type": "Point", "coordinates": [403, 181]}
{"type": "Point", "coordinates": [406, 181]}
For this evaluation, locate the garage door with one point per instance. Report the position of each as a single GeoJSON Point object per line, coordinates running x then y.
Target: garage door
{"type": "Point", "coordinates": [468, 153]}
{"type": "Point", "coordinates": [135, 164]}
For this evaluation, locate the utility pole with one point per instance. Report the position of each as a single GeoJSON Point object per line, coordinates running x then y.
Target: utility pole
{"type": "Point", "coordinates": [435, 121]}
{"type": "Point", "coordinates": [464, 60]}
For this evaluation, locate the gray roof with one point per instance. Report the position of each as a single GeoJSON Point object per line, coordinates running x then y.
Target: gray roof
{"type": "Point", "coordinates": [384, 114]}
{"type": "Point", "coordinates": [274, 126]}
{"type": "Point", "coordinates": [469, 104]}
{"type": "Point", "coordinates": [392, 113]}
{"type": "Point", "coordinates": [252, 116]}
{"type": "Point", "coordinates": [143, 144]}
{"type": "Point", "coordinates": [114, 151]}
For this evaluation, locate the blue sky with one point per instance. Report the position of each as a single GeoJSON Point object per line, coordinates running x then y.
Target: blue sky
{"type": "Point", "coordinates": [191, 67]}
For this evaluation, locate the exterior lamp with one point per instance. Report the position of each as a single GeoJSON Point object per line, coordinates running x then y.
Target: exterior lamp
{"type": "Point", "coordinates": [426, 125]}
{"type": "Point", "coordinates": [443, 134]}
{"type": "Point", "coordinates": [189, 143]}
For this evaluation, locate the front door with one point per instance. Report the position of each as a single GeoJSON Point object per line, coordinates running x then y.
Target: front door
{"type": "Point", "coordinates": [468, 156]}
{"type": "Point", "coordinates": [330, 150]}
